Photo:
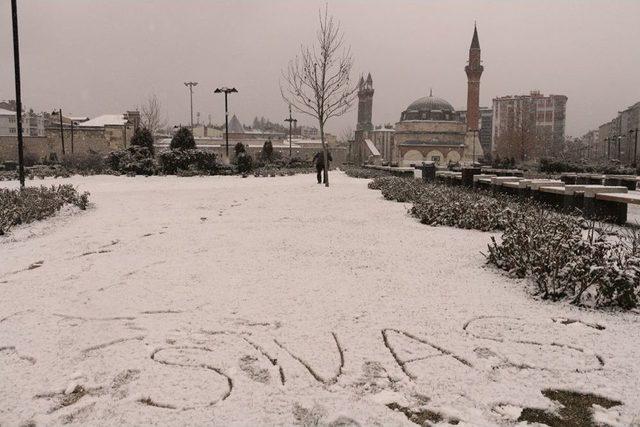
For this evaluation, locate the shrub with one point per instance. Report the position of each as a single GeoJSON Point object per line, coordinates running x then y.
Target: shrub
{"type": "Point", "coordinates": [36, 203]}
{"type": "Point", "coordinates": [183, 140]}
{"type": "Point", "coordinates": [244, 161]}
{"type": "Point", "coordinates": [133, 160]}
{"type": "Point", "coordinates": [589, 268]}
{"type": "Point", "coordinates": [239, 148]}
{"type": "Point", "coordinates": [142, 137]}
{"type": "Point", "coordinates": [567, 257]}
{"type": "Point", "coordinates": [199, 162]}
{"type": "Point", "coordinates": [267, 151]}
{"type": "Point", "coordinates": [560, 166]}
{"type": "Point", "coordinates": [85, 163]}
{"type": "Point", "coordinates": [367, 173]}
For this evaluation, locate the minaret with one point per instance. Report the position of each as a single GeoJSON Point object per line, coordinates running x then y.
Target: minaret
{"type": "Point", "coordinates": [474, 70]}
{"type": "Point", "coordinates": [365, 104]}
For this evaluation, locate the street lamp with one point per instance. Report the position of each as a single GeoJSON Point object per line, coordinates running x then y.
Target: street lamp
{"type": "Point", "coordinates": [226, 92]}
{"type": "Point", "coordinates": [190, 85]}
{"type": "Point", "coordinates": [16, 64]}
{"type": "Point", "coordinates": [619, 155]}
{"type": "Point", "coordinates": [635, 149]}
{"type": "Point", "coordinates": [291, 120]}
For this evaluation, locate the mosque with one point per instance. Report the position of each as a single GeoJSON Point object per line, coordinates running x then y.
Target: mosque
{"type": "Point", "coordinates": [429, 128]}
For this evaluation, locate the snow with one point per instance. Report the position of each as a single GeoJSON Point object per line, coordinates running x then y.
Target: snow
{"type": "Point", "coordinates": [4, 112]}
{"type": "Point", "coordinates": [104, 120]}
{"type": "Point", "coordinates": [262, 301]}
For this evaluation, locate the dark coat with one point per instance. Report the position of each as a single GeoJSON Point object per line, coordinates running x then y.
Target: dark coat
{"type": "Point", "coordinates": [318, 159]}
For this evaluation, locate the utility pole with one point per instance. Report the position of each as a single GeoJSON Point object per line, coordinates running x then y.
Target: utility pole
{"type": "Point", "coordinates": [226, 92]}
{"type": "Point", "coordinates": [190, 85]}
{"type": "Point", "coordinates": [16, 64]}
{"type": "Point", "coordinates": [61, 131]}
{"type": "Point", "coordinates": [291, 120]}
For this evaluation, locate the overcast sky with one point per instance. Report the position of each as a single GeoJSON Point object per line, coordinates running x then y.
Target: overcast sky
{"type": "Point", "coordinates": [93, 57]}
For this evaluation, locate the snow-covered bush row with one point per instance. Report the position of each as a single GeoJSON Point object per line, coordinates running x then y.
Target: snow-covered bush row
{"type": "Point", "coordinates": [437, 204]}
{"type": "Point", "coordinates": [36, 203]}
{"type": "Point", "coordinates": [570, 258]}
{"type": "Point", "coordinates": [567, 257]}
{"type": "Point", "coordinates": [360, 172]}
{"type": "Point", "coordinates": [174, 161]}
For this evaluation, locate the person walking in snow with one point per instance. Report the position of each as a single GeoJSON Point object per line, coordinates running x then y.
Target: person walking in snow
{"type": "Point", "coordinates": [318, 160]}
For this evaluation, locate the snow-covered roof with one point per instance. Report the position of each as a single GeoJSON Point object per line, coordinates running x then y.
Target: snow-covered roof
{"type": "Point", "coordinates": [105, 120]}
{"type": "Point", "coordinates": [4, 112]}
{"type": "Point", "coordinates": [235, 126]}
{"type": "Point", "coordinates": [372, 148]}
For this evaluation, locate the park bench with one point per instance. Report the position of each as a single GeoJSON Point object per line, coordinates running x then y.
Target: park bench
{"type": "Point", "coordinates": [629, 181]}
{"type": "Point", "coordinates": [615, 205]}
{"type": "Point", "coordinates": [482, 180]}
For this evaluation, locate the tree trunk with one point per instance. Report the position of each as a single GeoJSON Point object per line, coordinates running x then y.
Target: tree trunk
{"type": "Point", "coordinates": [325, 156]}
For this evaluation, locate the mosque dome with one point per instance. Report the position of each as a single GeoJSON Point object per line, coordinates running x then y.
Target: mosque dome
{"type": "Point", "coordinates": [430, 103]}
{"type": "Point", "coordinates": [430, 108]}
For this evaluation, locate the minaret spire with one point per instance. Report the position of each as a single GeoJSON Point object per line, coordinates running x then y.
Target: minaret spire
{"type": "Point", "coordinates": [473, 70]}
{"type": "Point", "coordinates": [475, 43]}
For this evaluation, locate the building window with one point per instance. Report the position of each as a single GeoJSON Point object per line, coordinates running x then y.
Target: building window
{"type": "Point", "coordinates": [12, 130]}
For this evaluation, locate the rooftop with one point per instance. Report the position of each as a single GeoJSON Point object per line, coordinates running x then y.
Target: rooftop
{"type": "Point", "coordinates": [105, 120]}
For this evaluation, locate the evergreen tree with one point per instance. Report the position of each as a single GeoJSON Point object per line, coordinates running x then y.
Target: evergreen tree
{"type": "Point", "coordinates": [267, 150]}
{"type": "Point", "coordinates": [239, 148]}
{"type": "Point", "coordinates": [183, 140]}
{"type": "Point", "coordinates": [142, 138]}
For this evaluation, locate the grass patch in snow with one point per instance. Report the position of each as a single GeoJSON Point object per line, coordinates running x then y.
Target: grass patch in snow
{"type": "Point", "coordinates": [576, 409]}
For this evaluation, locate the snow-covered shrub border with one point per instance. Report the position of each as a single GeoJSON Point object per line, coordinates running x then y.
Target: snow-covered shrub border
{"type": "Point", "coordinates": [366, 173]}
{"type": "Point", "coordinates": [567, 257]}
{"type": "Point", "coordinates": [36, 203]}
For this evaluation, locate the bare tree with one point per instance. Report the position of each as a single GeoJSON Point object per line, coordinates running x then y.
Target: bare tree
{"type": "Point", "coordinates": [317, 82]}
{"type": "Point", "coordinates": [151, 114]}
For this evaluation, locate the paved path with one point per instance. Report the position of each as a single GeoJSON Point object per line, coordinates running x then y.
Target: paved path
{"type": "Point", "coordinates": [265, 301]}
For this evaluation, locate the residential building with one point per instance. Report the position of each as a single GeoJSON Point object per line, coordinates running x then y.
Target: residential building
{"type": "Point", "coordinates": [527, 127]}
{"type": "Point", "coordinates": [619, 137]}
{"type": "Point", "coordinates": [32, 123]}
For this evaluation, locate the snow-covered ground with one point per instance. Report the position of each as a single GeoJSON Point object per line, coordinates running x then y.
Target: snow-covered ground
{"type": "Point", "coordinates": [261, 301]}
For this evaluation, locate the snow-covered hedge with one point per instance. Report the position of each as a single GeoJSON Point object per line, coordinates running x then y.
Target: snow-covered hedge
{"type": "Point", "coordinates": [360, 172]}
{"type": "Point", "coordinates": [570, 258]}
{"type": "Point", "coordinates": [36, 203]}
{"type": "Point", "coordinates": [437, 204]}
{"type": "Point", "coordinates": [567, 257]}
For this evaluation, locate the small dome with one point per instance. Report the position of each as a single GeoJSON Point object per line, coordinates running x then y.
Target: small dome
{"type": "Point", "coordinates": [430, 103]}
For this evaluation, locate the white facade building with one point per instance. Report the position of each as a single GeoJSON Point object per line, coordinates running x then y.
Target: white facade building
{"type": "Point", "coordinates": [32, 124]}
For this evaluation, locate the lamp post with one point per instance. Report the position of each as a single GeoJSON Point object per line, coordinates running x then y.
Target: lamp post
{"type": "Point", "coordinates": [226, 92]}
{"type": "Point", "coordinates": [16, 64]}
{"type": "Point", "coordinates": [291, 120]}
{"type": "Point", "coordinates": [61, 132]}
{"type": "Point", "coordinates": [635, 149]}
{"type": "Point", "coordinates": [619, 155]}
{"type": "Point", "coordinates": [190, 85]}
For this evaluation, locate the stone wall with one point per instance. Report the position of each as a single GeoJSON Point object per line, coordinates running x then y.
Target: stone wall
{"type": "Point", "coordinates": [36, 148]}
